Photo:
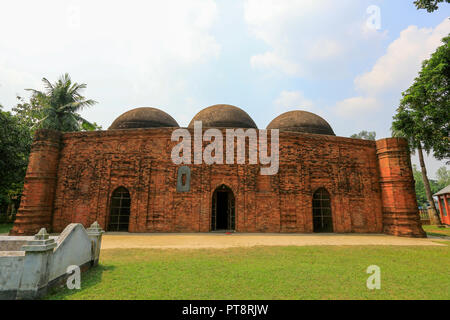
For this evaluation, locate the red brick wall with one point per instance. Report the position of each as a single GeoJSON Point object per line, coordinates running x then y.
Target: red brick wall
{"type": "Point", "coordinates": [400, 211]}
{"type": "Point", "coordinates": [36, 205]}
{"type": "Point", "coordinates": [93, 164]}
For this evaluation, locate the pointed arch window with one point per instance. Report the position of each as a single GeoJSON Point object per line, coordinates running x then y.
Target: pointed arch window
{"type": "Point", "coordinates": [119, 217]}
{"type": "Point", "coordinates": [322, 216]}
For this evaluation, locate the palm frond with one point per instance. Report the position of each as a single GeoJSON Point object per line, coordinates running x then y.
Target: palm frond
{"type": "Point", "coordinates": [48, 85]}
{"type": "Point", "coordinates": [34, 126]}
{"type": "Point", "coordinates": [59, 104]}
{"type": "Point", "coordinates": [76, 88]}
{"type": "Point", "coordinates": [86, 125]}
{"type": "Point", "coordinates": [88, 103]}
{"type": "Point", "coordinates": [35, 91]}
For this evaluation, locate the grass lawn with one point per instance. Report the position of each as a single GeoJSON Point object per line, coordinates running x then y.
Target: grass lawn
{"type": "Point", "coordinates": [435, 231]}
{"type": "Point", "coordinates": [5, 227]}
{"type": "Point", "coordinates": [321, 272]}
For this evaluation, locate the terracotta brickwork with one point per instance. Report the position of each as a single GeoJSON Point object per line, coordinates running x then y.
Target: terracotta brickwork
{"type": "Point", "coordinates": [36, 206]}
{"type": "Point", "coordinates": [400, 212]}
{"type": "Point", "coordinates": [91, 165]}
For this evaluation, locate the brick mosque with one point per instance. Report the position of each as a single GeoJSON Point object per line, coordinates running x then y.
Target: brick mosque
{"type": "Point", "coordinates": [124, 178]}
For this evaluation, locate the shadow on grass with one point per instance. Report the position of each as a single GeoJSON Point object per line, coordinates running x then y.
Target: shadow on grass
{"type": "Point", "coordinates": [438, 235]}
{"type": "Point", "coordinates": [436, 231]}
{"type": "Point", "coordinates": [89, 279]}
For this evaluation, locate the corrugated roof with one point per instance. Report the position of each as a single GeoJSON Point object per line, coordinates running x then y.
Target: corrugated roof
{"type": "Point", "coordinates": [443, 191]}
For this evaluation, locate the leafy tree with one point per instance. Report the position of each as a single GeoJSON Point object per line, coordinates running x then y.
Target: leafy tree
{"type": "Point", "coordinates": [420, 188]}
{"type": "Point", "coordinates": [432, 91]}
{"type": "Point", "coordinates": [28, 113]}
{"type": "Point", "coordinates": [443, 177]}
{"type": "Point", "coordinates": [430, 5]}
{"type": "Point", "coordinates": [423, 116]}
{"type": "Point", "coordinates": [404, 126]}
{"type": "Point", "coordinates": [365, 135]}
{"type": "Point", "coordinates": [15, 144]}
{"type": "Point", "coordinates": [58, 106]}
{"type": "Point", "coordinates": [421, 193]}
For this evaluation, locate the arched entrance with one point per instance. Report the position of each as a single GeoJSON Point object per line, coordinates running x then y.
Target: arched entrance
{"type": "Point", "coordinates": [223, 210]}
{"type": "Point", "coordinates": [322, 217]}
{"type": "Point", "coordinates": [119, 216]}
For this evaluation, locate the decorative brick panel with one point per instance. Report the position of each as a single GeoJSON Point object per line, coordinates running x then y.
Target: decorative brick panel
{"type": "Point", "coordinates": [74, 183]}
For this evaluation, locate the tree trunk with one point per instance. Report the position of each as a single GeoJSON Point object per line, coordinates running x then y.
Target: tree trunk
{"type": "Point", "coordinates": [435, 219]}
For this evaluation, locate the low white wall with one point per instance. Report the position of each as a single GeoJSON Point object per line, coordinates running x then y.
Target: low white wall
{"type": "Point", "coordinates": [11, 243]}
{"type": "Point", "coordinates": [74, 248]}
{"type": "Point", "coordinates": [43, 260]}
{"type": "Point", "coordinates": [11, 268]}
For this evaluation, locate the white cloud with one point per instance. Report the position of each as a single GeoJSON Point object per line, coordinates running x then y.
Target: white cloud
{"type": "Point", "coordinates": [13, 81]}
{"type": "Point", "coordinates": [271, 60]}
{"type": "Point", "coordinates": [380, 89]}
{"type": "Point", "coordinates": [400, 65]}
{"type": "Point", "coordinates": [357, 106]}
{"type": "Point", "coordinates": [131, 53]}
{"type": "Point", "coordinates": [292, 100]}
{"type": "Point", "coordinates": [309, 37]}
{"type": "Point", "coordinates": [324, 49]}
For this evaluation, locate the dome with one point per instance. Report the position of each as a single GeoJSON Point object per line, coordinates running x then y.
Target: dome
{"type": "Point", "coordinates": [223, 116]}
{"type": "Point", "coordinates": [301, 121]}
{"type": "Point", "coordinates": [143, 118]}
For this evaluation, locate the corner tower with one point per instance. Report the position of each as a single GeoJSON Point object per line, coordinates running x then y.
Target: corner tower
{"type": "Point", "coordinates": [400, 212]}
{"type": "Point", "coordinates": [36, 206]}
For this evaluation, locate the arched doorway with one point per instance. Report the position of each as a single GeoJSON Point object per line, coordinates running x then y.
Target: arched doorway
{"type": "Point", "coordinates": [223, 210]}
{"type": "Point", "coordinates": [322, 217]}
{"type": "Point", "coordinates": [119, 217]}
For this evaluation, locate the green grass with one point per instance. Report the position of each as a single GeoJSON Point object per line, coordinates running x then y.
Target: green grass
{"type": "Point", "coordinates": [5, 227]}
{"type": "Point", "coordinates": [326, 272]}
{"type": "Point", "coordinates": [435, 231]}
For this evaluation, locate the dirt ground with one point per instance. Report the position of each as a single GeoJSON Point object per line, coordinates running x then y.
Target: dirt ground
{"type": "Point", "coordinates": [222, 241]}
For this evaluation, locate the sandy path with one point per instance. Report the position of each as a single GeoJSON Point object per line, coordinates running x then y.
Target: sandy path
{"type": "Point", "coordinates": [202, 241]}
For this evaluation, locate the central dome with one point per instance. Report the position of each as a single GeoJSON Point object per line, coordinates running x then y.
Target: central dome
{"type": "Point", "coordinates": [223, 116]}
{"type": "Point", "coordinates": [301, 121]}
{"type": "Point", "coordinates": [144, 118]}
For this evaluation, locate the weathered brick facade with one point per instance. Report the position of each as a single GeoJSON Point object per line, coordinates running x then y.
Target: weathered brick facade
{"type": "Point", "coordinates": [71, 178]}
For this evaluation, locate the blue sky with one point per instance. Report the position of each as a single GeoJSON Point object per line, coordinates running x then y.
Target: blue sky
{"type": "Point", "coordinates": [264, 56]}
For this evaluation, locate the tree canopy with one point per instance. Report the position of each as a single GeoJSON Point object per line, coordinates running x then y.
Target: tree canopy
{"type": "Point", "coordinates": [58, 106]}
{"type": "Point", "coordinates": [443, 177]}
{"type": "Point", "coordinates": [365, 135]}
{"type": "Point", "coordinates": [429, 5]}
{"type": "Point", "coordinates": [15, 144]}
{"type": "Point", "coordinates": [55, 108]}
{"type": "Point", "coordinates": [436, 185]}
{"type": "Point", "coordinates": [424, 112]}
{"type": "Point", "coordinates": [423, 116]}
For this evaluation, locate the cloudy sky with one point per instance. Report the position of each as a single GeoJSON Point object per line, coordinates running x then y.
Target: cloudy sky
{"type": "Point", "coordinates": [347, 60]}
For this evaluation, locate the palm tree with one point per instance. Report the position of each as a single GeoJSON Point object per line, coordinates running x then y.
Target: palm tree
{"type": "Point", "coordinates": [60, 103]}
